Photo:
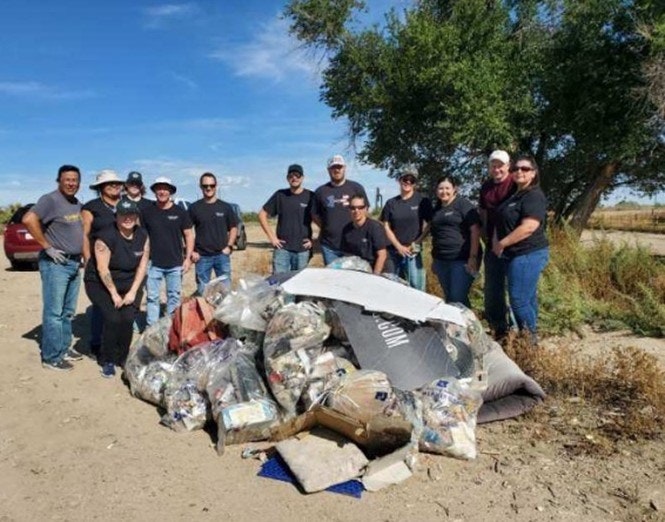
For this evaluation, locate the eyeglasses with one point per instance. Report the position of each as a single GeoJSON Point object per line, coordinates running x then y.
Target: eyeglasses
{"type": "Point", "coordinates": [408, 181]}
{"type": "Point", "coordinates": [356, 207]}
{"type": "Point", "coordinates": [521, 169]}
{"type": "Point", "coordinates": [208, 186]}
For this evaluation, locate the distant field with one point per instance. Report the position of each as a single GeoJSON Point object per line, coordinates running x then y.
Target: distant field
{"type": "Point", "coordinates": [636, 220]}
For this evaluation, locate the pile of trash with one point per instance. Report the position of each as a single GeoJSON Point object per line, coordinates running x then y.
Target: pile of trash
{"type": "Point", "coordinates": [348, 373]}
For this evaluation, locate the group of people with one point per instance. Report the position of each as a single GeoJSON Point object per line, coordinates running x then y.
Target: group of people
{"type": "Point", "coordinates": [505, 233]}
{"type": "Point", "coordinates": [126, 242]}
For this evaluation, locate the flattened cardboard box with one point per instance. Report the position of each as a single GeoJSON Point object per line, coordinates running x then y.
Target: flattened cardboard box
{"type": "Point", "coordinates": [380, 436]}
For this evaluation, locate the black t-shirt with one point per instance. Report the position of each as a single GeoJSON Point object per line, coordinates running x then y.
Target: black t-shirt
{"type": "Point", "coordinates": [406, 216]}
{"type": "Point", "coordinates": [126, 255]}
{"type": "Point", "coordinates": [212, 222]}
{"type": "Point", "coordinates": [103, 216]}
{"type": "Point", "coordinates": [165, 229]}
{"type": "Point", "coordinates": [144, 203]}
{"type": "Point", "coordinates": [294, 221]}
{"type": "Point", "coordinates": [364, 241]}
{"type": "Point", "coordinates": [331, 206]}
{"type": "Point", "coordinates": [451, 229]}
{"type": "Point", "coordinates": [527, 203]}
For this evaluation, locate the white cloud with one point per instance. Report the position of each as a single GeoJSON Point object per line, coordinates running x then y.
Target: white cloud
{"type": "Point", "coordinates": [273, 54]}
{"type": "Point", "coordinates": [33, 89]}
{"type": "Point", "coordinates": [158, 15]}
{"type": "Point", "coordinates": [184, 80]}
{"type": "Point", "coordinates": [186, 174]}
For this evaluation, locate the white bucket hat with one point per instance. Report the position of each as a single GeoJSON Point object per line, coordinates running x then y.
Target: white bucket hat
{"type": "Point", "coordinates": [105, 176]}
{"type": "Point", "coordinates": [163, 180]}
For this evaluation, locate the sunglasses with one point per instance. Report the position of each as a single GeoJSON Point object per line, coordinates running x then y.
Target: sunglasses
{"type": "Point", "coordinates": [408, 181]}
{"type": "Point", "coordinates": [294, 175]}
{"type": "Point", "coordinates": [208, 186]}
{"type": "Point", "coordinates": [521, 169]}
{"type": "Point", "coordinates": [356, 207]}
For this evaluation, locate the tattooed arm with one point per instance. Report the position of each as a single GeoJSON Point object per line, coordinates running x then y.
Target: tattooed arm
{"type": "Point", "coordinates": [141, 270]}
{"type": "Point", "coordinates": [103, 256]}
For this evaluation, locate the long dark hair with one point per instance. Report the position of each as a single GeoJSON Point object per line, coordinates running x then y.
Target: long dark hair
{"type": "Point", "coordinates": [535, 182]}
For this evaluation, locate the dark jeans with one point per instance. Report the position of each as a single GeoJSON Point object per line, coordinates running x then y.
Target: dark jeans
{"type": "Point", "coordinates": [496, 310]}
{"type": "Point", "coordinates": [455, 280]}
{"type": "Point", "coordinates": [118, 323]}
{"type": "Point", "coordinates": [523, 274]}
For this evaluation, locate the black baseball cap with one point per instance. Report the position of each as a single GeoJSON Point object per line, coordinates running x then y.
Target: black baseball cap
{"type": "Point", "coordinates": [135, 177]}
{"type": "Point", "coordinates": [295, 168]}
{"type": "Point", "coordinates": [126, 206]}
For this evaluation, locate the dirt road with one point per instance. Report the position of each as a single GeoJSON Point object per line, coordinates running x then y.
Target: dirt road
{"type": "Point", "coordinates": [76, 447]}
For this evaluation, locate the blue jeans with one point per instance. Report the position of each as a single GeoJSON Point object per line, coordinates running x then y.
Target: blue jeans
{"type": "Point", "coordinates": [287, 260]}
{"type": "Point", "coordinates": [408, 268]}
{"type": "Point", "coordinates": [220, 263]}
{"type": "Point", "coordinates": [496, 310]}
{"type": "Point", "coordinates": [523, 274]}
{"type": "Point", "coordinates": [173, 278]}
{"type": "Point", "coordinates": [330, 254]}
{"type": "Point", "coordinates": [60, 291]}
{"type": "Point", "coordinates": [454, 279]}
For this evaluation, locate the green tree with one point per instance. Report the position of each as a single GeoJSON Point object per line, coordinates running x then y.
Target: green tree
{"type": "Point", "coordinates": [443, 82]}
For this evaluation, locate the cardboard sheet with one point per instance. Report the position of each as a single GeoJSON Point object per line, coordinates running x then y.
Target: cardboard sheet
{"type": "Point", "coordinates": [374, 293]}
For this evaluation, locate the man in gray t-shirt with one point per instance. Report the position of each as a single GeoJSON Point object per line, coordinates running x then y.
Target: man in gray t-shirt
{"type": "Point", "coordinates": [55, 223]}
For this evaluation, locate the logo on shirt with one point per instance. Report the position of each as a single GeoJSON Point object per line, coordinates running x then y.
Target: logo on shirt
{"type": "Point", "coordinates": [173, 218]}
{"type": "Point", "coordinates": [303, 205]}
{"type": "Point", "coordinates": [414, 208]}
{"type": "Point", "coordinates": [331, 201]}
{"type": "Point", "coordinates": [71, 218]}
{"type": "Point", "coordinates": [512, 204]}
{"type": "Point", "coordinates": [449, 213]}
{"type": "Point", "coordinates": [364, 240]}
{"type": "Point", "coordinates": [219, 214]}
{"type": "Point", "coordinates": [138, 253]}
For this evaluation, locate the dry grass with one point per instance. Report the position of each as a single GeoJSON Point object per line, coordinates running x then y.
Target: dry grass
{"type": "Point", "coordinates": [596, 403]}
{"type": "Point", "coordinates": [652, 220]}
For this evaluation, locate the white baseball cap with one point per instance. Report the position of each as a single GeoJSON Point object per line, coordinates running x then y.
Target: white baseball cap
{"type": "Point", "coordinates": [500, 155]}
{"type": "Point", "coordinates": [337, 159]}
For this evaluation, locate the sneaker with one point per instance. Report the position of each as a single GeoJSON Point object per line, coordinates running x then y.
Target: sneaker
{"type": "Point", "coordinates": [73, 355]}
{"type": "Point", "coordinates": [60, 366]}
{"type": "Point", "coordinates": [108, 370]}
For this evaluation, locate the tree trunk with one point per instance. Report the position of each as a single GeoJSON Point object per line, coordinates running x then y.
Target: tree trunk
{"type": "Point", "coordinates": [585, 205]}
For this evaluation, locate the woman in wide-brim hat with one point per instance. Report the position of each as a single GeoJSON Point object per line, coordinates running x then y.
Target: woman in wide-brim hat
{"type": "Point", "coordinates": [97, 215]}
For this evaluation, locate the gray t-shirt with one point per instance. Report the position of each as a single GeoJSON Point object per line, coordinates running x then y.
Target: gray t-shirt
{"type": "Point", "coordinates": [61, 221]}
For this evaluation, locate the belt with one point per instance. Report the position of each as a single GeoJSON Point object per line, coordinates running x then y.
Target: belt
{"type": "Point", "coordinates": [74, 257]}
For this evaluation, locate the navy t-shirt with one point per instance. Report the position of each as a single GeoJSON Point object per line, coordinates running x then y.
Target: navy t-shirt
{"type": "Point", "coordinates": [525, 203]}
{"type": "Point", "coordinates": [212, 222]}
{"type": "Point", "coordinates": [126, 255]}
{"type": "Point", "coordinates": [406, 216]}
{"type": "Point", "coordinates": [331, 206]}
{"type": "Point", "coordinates": [294, 217]}
{"type": "Point", "coordinates": [364, 241]}
{"type": "Point", "coordinates": [103, 216]}
{"type": "Point", "coordinates": [165, 229]}
{"type": "Point", "coordinates": [451, 229]}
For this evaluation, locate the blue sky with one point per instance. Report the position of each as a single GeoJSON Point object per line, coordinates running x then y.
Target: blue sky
{"type": "Point", "coordinates": [166, 89]}
{"type": "Point", "coordinates": [170, 89]}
